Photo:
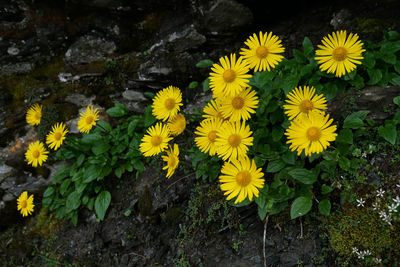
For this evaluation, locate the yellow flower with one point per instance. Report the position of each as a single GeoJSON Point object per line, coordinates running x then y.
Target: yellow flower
{"type": "Point", "coordinates": [36, 154]}
{"type": "Point", "coordinates": [25, 204]}
{"type": "Point", "coordinates": [229, 77]}
{"type": "Point", "coordinates": [57, 136]}
{"type": "Point", "coordinates": [155, 141]}
{"type": "Point", "coordinates": [311, 133]}
{"type": "Point", "coordinates": [339, 53]}
{"type": "Point", "coordinates": [213, 110]}
{"type": "Point", "coordinates": [166, 103]}
{"type": "Point", "coordinates": [172, 160]}
{"type": "Point", "coordinates": [34, 114]}
{"type": "Point", "coordinates": [177, 124]}
{"type": "Point", "coordinates": [207, 134]}
{"type": "Point", "coordinates": [233, 139]}
{"type": "Point", "coordinates": [263, 52]}
{"type": "Point", "coordinates": [302, 101]}
{"type": "Point", "coordinates": [240, 106]}
{"type": "Point", "coordinates": [88, 119]}
{"type": "Point", "coordinates": [241, 178]}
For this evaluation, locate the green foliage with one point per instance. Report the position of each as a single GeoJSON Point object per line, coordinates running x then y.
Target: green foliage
{"type": "Point", "coordinates": [106, 150]}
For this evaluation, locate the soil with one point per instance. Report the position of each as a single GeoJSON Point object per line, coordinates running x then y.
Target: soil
{"type": "Point", "coordinates": [182, 221]}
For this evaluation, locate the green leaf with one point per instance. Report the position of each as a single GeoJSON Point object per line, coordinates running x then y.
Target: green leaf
{"type": "Point", "coordinates": [48, 192]}
{"type": "Point", "coordinates": [300, 207]}
{"type": "Point", "coordinates": [395, 80]}
{"type": "Point", "coordinates": [289, 157]}
{"type": "Point", "coordinates": [118, 110]}
{"type": "Point", "coordinates": [388, 132]}
{"type": "Point", "coordinates": [132, 126]}
{"type": "Point", "coordinates": [73, 200]}
{"type": "Point", "coordinates": [148, 118]}
{"type": "Point", "coordinates": [91, 173]}
{"type": "Point", "coordinates": [303, 175]}
{"type": "Point", "coordinates": [100, 148]}
{"type": "Point", "coordinates": [325, 189]}
{"type": "Point", "coordinates": [369, 60]}
{"type": "Point", "coordinates": [324, 207]}
{"type": "Point", "coordinates": [149, 95]}
{"type": "Point", "coordinates": [205, 63]}
{"type": "Point", "coordinates": [206, 85]}
{"type": "Point", "coordinates": [277, 134]}
{"type": "Point", "coordinates": [355, 120]}
{"type": "Point", "coordinates": [92, 138]}
{"type": "Point", "coordinates": [80, 159]}
{"type": "Point", "coordinates": [345, 136]}
{"type": "Point", "coordinates": [375, 75]}
{"type": "Point", "coordinates": [396, 100]}
{"type": "Point", "coordinates": [101, 204]}
{"type": "Point", "coordinates": [307, 47]}
{"type": "Point", "coordinates": [344, 163]}
{"type": "Point", "coordinates": [64, 186]}
{"type": "Point", "coordinates": [127, 213]}
{"type": "Point", "coordinates": [104, 126]}
{"type": "Point", "coordinates": [118, 172]}
{"type": "Point", "coordinates": [193, 84]}
{"type": "Point", "coordinates": [275, 165]}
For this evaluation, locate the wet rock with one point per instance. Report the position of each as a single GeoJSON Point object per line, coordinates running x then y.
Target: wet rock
{"type": "Point", "coordinates": [226, 17]}
{"type": "Point", "coordinates": [89, 48]}
{"type": "Point", "coordinates": [341, 20]}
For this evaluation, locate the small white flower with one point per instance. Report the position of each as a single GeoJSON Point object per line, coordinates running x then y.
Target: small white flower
{"type": "Point", "coordinates": [378, 260]}
{"type": "Point", "coordinates": [387, 219]}
{"type": "Point", "coordinates": [397, 200]}
{"type": "Point", "coordinates": [380, 192]}
{"type": "Point", "coordinates": [364, 155]}
{"type": "Point", "coordinates": [375, 206]}
{"type": "Point", "coordinates": [367, 252]}
{"type": "Point", "coordinates": [382, 214]}
{"type": "Point", "coordinates": [355, 250]}
{"type": "Point", "coordinates": [360, 202]}
{"type": "Point", "coordinates": [393, 207]}
{"type": "Point", "coordinates": [398, 185]}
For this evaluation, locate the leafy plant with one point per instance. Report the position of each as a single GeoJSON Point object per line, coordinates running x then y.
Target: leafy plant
{"type": "Point", "coordinates": [106, 152]}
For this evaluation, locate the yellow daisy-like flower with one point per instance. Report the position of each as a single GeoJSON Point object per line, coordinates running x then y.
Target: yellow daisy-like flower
{"type": "Point", "coordinates": [155, 141]}
{"type": "Point", "coordinates": [263, 52]}
{"type": "Point", "coordinates": [213, 110]}
{"type": "Point", "coordinates": [229, 77]}
{"type": "Point", "coordinates": [166, 103]}
{"type": "Point", "coordinates": [311, 133]}
{"type": "Point", "coordinates": [36, 154]}
{"type": "Point", "coordinates": [302, 101]}
{"type": "Point", "coordinates": [177, 124]}
{"type": "Point", "coordinates": [25, 204]}
{"type": "Point", "coordinates": [339, 53]}
{"type": "Point", "coordinates": [57, 136]}
{"type": "Point", "coordinates": [233, 139]}
{"type": "Point", "coordinates": [241, 178]}
{"type": "Point", "coordinates": [207, 134]}
{"type": "Point", "coordinates": [240, 106]}
{"type": "Point", "coordinates": [88, 119]}
{"type": "Point", "coordinates": [172, 160]}
{"type": "Point", "coordinates": [34, 114]}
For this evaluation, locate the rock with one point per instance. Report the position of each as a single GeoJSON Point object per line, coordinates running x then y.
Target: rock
{"type": "Point", "coordinates": [341, 19]}
{"type": "Point", "coordinates": [79, 100]}
{"type": "Point", "coordinates": [226, 17]}
{"type": "Point", "coordinates": [135, 96]}
{"type": "Point", "coordinates": [89, 48]}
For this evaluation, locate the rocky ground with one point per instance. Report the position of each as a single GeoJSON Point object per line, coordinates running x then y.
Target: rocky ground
{"type": "Point", "coordinates": [73, 54]}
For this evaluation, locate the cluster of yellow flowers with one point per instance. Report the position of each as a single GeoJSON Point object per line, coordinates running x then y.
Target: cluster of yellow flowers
{"type": "Point", "coordinates": [37, 154]}
{"type": "Point", "coordinates": [223, 131]}
{"type": "Point", "coordinates": [166, 107]}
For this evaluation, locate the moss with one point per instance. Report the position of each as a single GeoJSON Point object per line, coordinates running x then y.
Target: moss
{"type": "Point", "coordinates": [45, 224]}
{"type": "Point", "coordinates": [363, 229]}
{"type": "Point", "coordinates": [370, 25]}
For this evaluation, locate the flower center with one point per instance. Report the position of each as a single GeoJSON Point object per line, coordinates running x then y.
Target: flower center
{"type": "Point", "coordinates": [234, 140]}
{"type": "Point", "coordinates": [36, 154]}
{"type": "Point", "coordinates": [57, 136]}
{"type": "Point", "coordinates": [262, 52]}
{"type": "Point", "coordinates": [243, 178]}
{"type": "Point", "coordinates": [89, 119]}
{"type": "Point", "coordinates": [169, 103]}
{"type": "Point", "coordinates": [305, 106]}
{"type": "Point", "coordinates": [339, 54]}
{"type": "Point", "coordinates": [229, 76]}
{"type": "Point", "coordinates": [156, 140]}
{"type": "Point", "coordinates": [313, 133]}
{"type": "Point", "coordinates": [237, 102]}
{"type": "Point", "coordinates": [24, 204]}
{"type": "Point", "coordinates": [171, 161]}
{"type": "Point", "coordinates": [212, 136]}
